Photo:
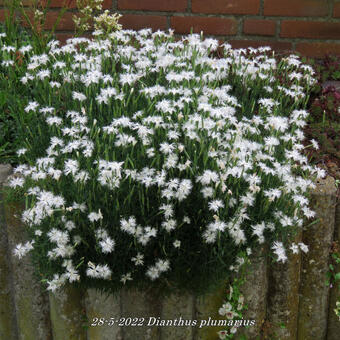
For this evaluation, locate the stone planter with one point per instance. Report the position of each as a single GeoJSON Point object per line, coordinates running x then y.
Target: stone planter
{"type": "Point", "coordinates": [288, 301]}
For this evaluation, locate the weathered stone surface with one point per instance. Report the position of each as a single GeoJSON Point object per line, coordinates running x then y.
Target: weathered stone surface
{"type": "Point", "coordinates": [313, 306]}
{"type": "Point", "coordinates": [206, 307]}
{"type": "Point", "coordinates": [333, 327]}
{"type": "Point", "coordinates": [67, 314]}
{"type": "Point", "coordinates": [137, 304]}
{"type": "Point", "coordinates": [5, 171]}
{"type": "Point", "coordinates": [31, 301]}
{"type": "Point", "coordinates": [105, 306]}
{"type": "Point", "coordinates": [7, 311]}
{"type": "Point", "coordinates": [178, 307]}
{"type": "Point", "coordinates": [255, 291]}
{"type": "Point", "coordinates": [283, 296]}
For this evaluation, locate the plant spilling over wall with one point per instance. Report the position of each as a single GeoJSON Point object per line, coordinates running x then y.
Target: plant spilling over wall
{"type": "Point", "coordinates": [148, 162]}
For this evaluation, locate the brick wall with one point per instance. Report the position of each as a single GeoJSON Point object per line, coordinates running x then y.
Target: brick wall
{"type": "Point", "coordinates": [311, 27]}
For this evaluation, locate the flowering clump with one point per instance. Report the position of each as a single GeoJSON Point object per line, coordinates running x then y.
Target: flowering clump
{"type": "Point", "coordinates": [151, 161]}
{"type": "Point", "coordinates": [103, 23]}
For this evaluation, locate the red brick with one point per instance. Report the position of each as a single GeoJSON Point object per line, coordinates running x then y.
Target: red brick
{"type": "Point", "coordinates": [318, 50]}
{"type": "Point", "coordinates": [3, 14]}
{"type": "Point", "coordinates": [275, 45]}
{"type": "Point", "coordinates": [154, 5]}
{"type": "Point", "coordinates": [310, 29]}
{"type": "Point", "coordinates": [66, 22]}
{"type": "Point", "coordinates": [259, 27]}
{"type": "Point", "coordinates": [60, 3]}
{"type": "Point", "coordinates": [107, 4]}
{"type": "Point", "coordinates": [62, 37]}
{"type": "Point", "coordinates": [296, 8]}
{"type": "Point", "coordinates": [226, 6]}
{"type": "Point", "coordinates": [209, 25]}
{"type": "Point", "coordinates": [336, 10]}
{"type": "Point", "coordinates": [136, 22]}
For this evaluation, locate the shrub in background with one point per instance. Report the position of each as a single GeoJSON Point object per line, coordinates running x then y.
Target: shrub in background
{"type": "Point", "coordinates": [148, 162]}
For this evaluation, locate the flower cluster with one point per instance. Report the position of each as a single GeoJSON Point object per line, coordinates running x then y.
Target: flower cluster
{"type": "Point", "coordinates": [147, 159]}
{"type": "Point", "coordinates": [234, 306]}
{"type": "Point", "coordinates": [103, 23]}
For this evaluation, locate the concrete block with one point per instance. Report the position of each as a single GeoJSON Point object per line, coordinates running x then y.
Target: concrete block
{"type": "Point", "coordinates": [146, 305]}
{"type": "Point", "coordinates": [31, 299]}
{"type": "Point", "coordinates": [67, 310]}
{"type": "Point", "coordinates": [333, 327]}
{"type": "Point", "coordinates": [7, 311]}
{"type": "Point", "coordinates": [283, 296]}
{"type": "Point", "coordinates": [105, 306]}
{"type": "Point", "coordinates": [180, 308]}
{"type": "Point", "coordinates": [255, 291]}
{"type": "Point", "coordinates": [206, 307]}
{"type": "Point", "coordinates": [313, 306]}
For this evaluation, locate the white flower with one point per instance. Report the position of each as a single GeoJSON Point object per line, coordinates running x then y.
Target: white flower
{"type": "Point", "coordinates": [186, 219]}
{"type": "Point", "coordinates": [93, 216]}
{"type": "Point", "coordinates": [208, 177]}
{"type": "Point", "coordinates": [16, 182]}
{"type": "Point", "coordinates": [278, 123]}
{"type": "Point", "coordinates": [153, 273]}
{"type": "Point", "coordinates": [56, 283]}
{"type": "Point", "coordinates": [303, 247]}
{"type": "Point", "coordinates": [98, 271]}
{"type": "Point", "coordinates": [169, 225]}
{"type": "Point", "coordinates": [107, 245]}
{"type": "Point", "coordinates": [21, 250]}
{"type": "Point", "coordinates": [167, 209]}
{"type": "Point", "coordinates": [226, 307]}
{"type": "Point", "coordinates": [163, 265]}
{"type": "Point", "coordinates": [138, 260]}
{"type": "Point", "coordinates": [177, 244]}
{"type": "Point", "coordinates": [43, 74]}
{"type": "Point", "coordinates": [207, 192]}
{"type": "Point", "coordinates": [38, 232]}
{"type": "Point", "coordinates": [166, 148]}
{"type": "Point", "coordinates": [315, 144]}
{"type": "Point", "coordinates": [126, 277]}
{"type": "Point", "coordinates": [78, 96]}
{"type": "Point", "coordinates": [21, 151]}
{"type": "Point", "coordinates": [215, 205]}
{"type": "Point", "coordinates": [222, 334]}
{"type": "Point", "coordinates": [71, 167]}
{"type": "Point", "coordinates": [279, 251]}
{"type": "Point", "coordinates": [294, 248]}
{"type": "Point", "coordinates": [25, 49]}
{"type": "Point", "coordinates": [32, 106]}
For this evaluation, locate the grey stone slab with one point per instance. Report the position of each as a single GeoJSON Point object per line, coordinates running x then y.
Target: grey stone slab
{"type": "Point", "coordinates": [333, 326]}
{"type": "Point", "coordinates": [283, 295]}
{"type": "Point", "coordinates": [105, 306]}
{"type": "Point", "coordinates": [179, 309]}
{"type": "Point", "coordinates": [145, 306]}
{"type": "Point", "coordinates": [313, 305]}
{"type": "Point", "coordinates": [255, 291]}
{"type": "Point", "coordinates": [67, 310]}
{"type": "Point", "coordinates": [31, 299]}
{"type": "Point", "coordinates": [206, 308]}
{"type": "Point", "coordinates": [7, 311]}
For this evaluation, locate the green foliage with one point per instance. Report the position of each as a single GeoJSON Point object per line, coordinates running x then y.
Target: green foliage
{"type": "Point", "coordinates": [333, 275]}
{"type": "Point", "coordinates": [11, 87]}
{"type": "Point", "coordinates": [324, 119]}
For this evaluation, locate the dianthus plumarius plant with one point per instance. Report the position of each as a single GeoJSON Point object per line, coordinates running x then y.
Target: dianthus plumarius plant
{"type": "Point", "coordinates": [151, 162]}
